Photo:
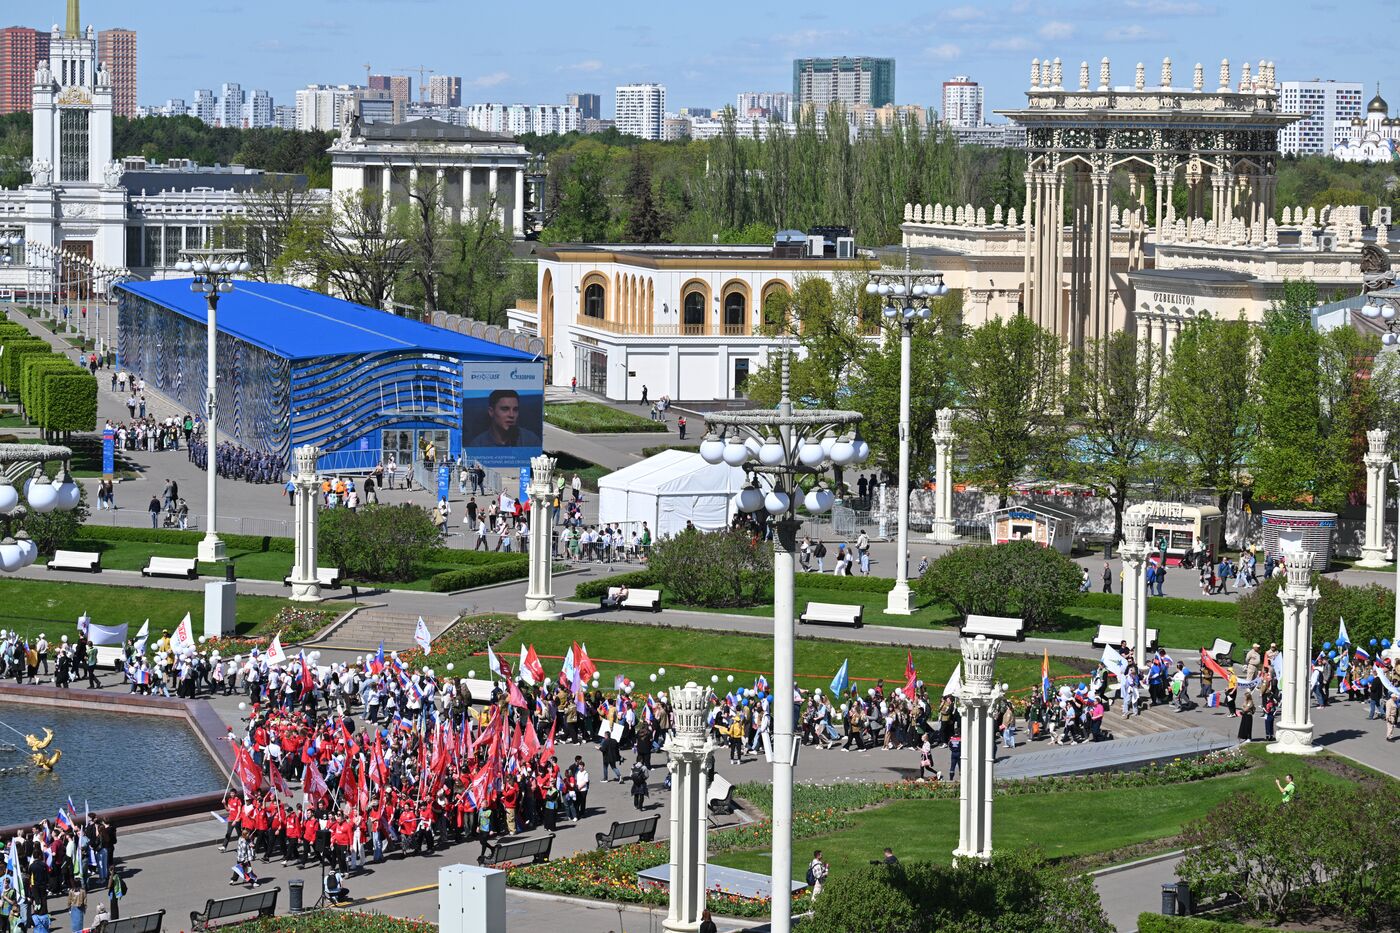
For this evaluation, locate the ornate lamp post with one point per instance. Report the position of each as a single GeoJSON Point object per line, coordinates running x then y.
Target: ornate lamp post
{"type": "Point", "coordinates": [687, 750]}
{"type": "Point", "coordinates": [1377, 460]}
{"type": "Point", "coordinates": [539, 596]}
{"type": "Point", "coordinates": [910, 294]}
{"type": "Point", "coordinates": [306, 585]}
{"type": "Point", "coordinates": [944, 531]}
{"type": "Point", "coordinates": [1299, 598]}
{"type": "Point", "coordinates": [1134, 550]}
{"type": "Point", "coordinates": [979, 691]}
{"type": "Point", "coordinates": [60, 494]}
{"type": "Point", "coordinates": [213, 276]}
{"type": "Point", "coordinates": [781, 447]}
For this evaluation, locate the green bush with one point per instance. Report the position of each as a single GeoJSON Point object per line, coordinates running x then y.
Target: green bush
{"type": "Point", "coordinates": [444, 555]}
{"type": "Point", "coordinates": [175, 536]}
{"type": "Point", "coordinates": [1156, 923]}
{"type": "Point", "coordinates": [597, 418]}
{"type": "Point", "coordinates": [1020, 579]}
{"type": "Point", "coordinates": [13, 359]}
{"type": "Point", "coordinates": [483, 575]}
{"type": "Point", "coordinates": [377, 543]}
{"type": "Point", "coordinates": [1172, 605]}
{"type": "Point", "coordinates": [714, 569]}
{"type": "Point", "coordinates": [1014, 893]}
{"type": "Point", "coordinates": [68, 402]}
{"type": "Point", "coordinates": [829, 581]}
{"type": "Point", "coordinates": [333, 921]}
{"type": "Point", "coordinates": [51, 530]}
{"type": "Point", "coordinates": [1369, 612]}
{"type": "Point", "coordinates": [596, 589]}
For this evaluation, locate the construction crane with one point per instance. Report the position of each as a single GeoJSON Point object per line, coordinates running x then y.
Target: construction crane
{"type": "Point", "coordinates": [422, 71]}
{"type": "Point", "coordinates": [368, 70]}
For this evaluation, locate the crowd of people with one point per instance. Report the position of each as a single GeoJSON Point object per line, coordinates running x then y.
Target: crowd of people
{"type": "Point", "coordinates": [66, 857]}
{"type": "Point", "coordinates": [238, 462]}
{"type": "Point", "coordinates": [151, 434]}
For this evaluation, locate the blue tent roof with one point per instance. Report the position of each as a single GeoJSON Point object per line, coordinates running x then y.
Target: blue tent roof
{"type": "Point", "coordinates": [299, 324]}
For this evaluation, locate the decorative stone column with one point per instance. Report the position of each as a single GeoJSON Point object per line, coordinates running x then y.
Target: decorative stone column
{"type": "Point", "coordinates": [1373, 552]}
{"type": "Point", "coordinates": [1294, 729]}
{"type": "Point", "coordinates": [687, 750]}
{"type": "Point", "coordinates": [539, 597]}
{"type": "Point", "coordinates": [306, 587]}
{"type": "Point", "coordinates": [1134, 549]}
{"type": "Point", "coordinates": [979, 692]}
{"type": "Point", "coordinates": [943, 527]}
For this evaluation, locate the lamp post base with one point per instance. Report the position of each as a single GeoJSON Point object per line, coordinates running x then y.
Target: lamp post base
{"type": "Point", "coordinates": [211, 549]}
{"type": "Point", "coordinates": [901, 600]}
{"type": "Point", "coordinates": [943, 533]}
{"type": "Point", "coordinates": [306, 591]}
{"type": "Point", "coordinates": [1374, 559]}
{"type": "Point", "coordinates": [1294, 741]}
{"type": "Point", "coordinates": [539, 615]}
{"type": "Point", "coordinates": [980, 856]}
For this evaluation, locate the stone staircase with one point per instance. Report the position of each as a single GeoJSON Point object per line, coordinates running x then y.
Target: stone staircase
{"type": "Point", "coordinates": [1153, 720]}
{"type": "Point", "coordinates": [367, 628]}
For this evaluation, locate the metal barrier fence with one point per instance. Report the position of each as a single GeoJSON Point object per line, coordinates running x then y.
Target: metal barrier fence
{"type": "Point", "coordinates": [228, 524]}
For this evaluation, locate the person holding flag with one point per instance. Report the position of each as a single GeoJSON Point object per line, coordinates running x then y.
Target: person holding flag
{"type": "Point", "coordinates": [422, 637]}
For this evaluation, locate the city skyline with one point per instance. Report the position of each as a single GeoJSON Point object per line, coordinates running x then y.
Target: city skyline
{"type": "Point", "coordinates": [702, 64]}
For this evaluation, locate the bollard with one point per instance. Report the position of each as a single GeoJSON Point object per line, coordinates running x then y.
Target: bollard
{"type": "Point", "coordinates": [1169, 900]}
{"type": "Point", "coordinates": [294, 895]}
{"type": "Point", "coordinates": [228, 573]}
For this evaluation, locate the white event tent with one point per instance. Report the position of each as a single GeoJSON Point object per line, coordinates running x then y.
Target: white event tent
{"type": "Point", "coordinates": [669, 489]}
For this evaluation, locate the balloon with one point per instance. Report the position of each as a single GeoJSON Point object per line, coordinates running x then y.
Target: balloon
{"type": "Point", "coordinates": [653, 678]}
{"type": "Point", "coordinates": [1385, 642]}
{"type": "Point", "coordinates": [1373, 643]}
{"type": "Point", "coordinates": [471, 674]}
{"type": "Point", "coordinates": [661, 671]}
{"type": "Point", "coordinates": [731, 678]}
{"type": "Point", "coordinates": [242, 705]}
{"type": "Point", "coordinates": [450, 665]}
{"type": "Point", "coordinates": [714, 678]}
{"type": "Point", "coordinates": [1326, 646]}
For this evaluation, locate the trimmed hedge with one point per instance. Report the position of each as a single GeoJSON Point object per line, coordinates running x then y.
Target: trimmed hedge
{"type": "Point", "coordinates": [1156, 923]}
{"type": "Point", "coordinates": [68, 401]}
{"type": "Point", "coordinates": [1174, 605]}
{"type": "Point", "coordinates": [483, 575]}
{"type": "Point", "coordinates": [13, 359]}
{"type": "Point", "coordinates": [444, 555]}
{"type": "Point", "coordinates": [175, 536]}
{"type": "Point", "coordinates": [596, 589]}
{"type": "Point", "coordinates": [827, 581]}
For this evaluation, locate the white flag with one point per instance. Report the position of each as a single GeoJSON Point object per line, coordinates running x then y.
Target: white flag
{"type": "Point", "coordinates": [275, 654]}
{"type": "Point", "coordinates": [423, 637]}
{"type": "Point", "coordinates": [183, 638]}
{"type": "Point", "coordinates": [1114, 661]}
{"type": "Point", "coordinates": [141, 636]}
{"type": "Point", "coordinates": [954, 687]}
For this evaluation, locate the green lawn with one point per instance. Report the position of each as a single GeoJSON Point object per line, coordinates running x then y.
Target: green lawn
{"type": "Point", "coordinates": [1081, 623]}
{"type": "Point", "coordinates": [597, 418]}
{"type": "Point", "coordinates": [33, 606]}
{"type": "Point", "coordinates": [927, 614]}
{"type": "Point", "coordinates": [636, 652]}
{"type": "Point", "coordinates": [1070, 823]}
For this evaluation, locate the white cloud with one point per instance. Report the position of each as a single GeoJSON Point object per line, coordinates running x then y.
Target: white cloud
{"type": "Point", "coordinates": [962, 14]}
{"type": "Point", "coordinates": [491, 80]}
{"type": "Point", "coordinates": [1133, 33]}
{"type": "Point", "coordinates": [587, 65]}
{"type": "Point", "coordinates": [946, 52]}
{"type": "Point", "coordinates": [1056, 30]}
{"type": "Point", "coordinates": [1170, 7]}
{"type": "Point", "coordinates": [1010, 44]}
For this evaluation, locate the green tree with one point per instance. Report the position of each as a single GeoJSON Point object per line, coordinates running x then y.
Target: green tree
{"type": "Point", "coordinates": [1114, 403]}
{"type": "Point", "coordinates": [1350, 393]}
{"type": "Point", "coordinates": [1010, 388]}
{"type": "Point", "coordinates": [279, 227]}
{"type": "Point", "coordinates": [1019, 578]}
{"type": "Point", "coordinates": [643, 220]}
{"type": "Point", "coordinates": [1209, 405]}
{"type": "Point", "coordinates": [714, 569]}
{"type": "Point", "coordinates": [584, 214]}
{"type": "Point", "coordinates": [361, 256]}
{"type": "Point", "coordinates": [421, 224]}
{"type": "Point", "coordinates": [1287, 460]}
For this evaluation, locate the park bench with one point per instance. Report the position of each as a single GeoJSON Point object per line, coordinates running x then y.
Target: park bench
{"type": "Point", "coordinates": [144, 923]}
{"type": "Point", "coordinates": [623, 831]}
{"type": "Point", "coordinates": [87, 561]}
{"type": "Point", "coordinates": [186, 567]}
{"type": "Point", "coordinates": [993, 627]}
{"type": "Point", "coordinates": [328, 577]}
{"type": "Point", "coordinates": [1113, 634]}
{"type": "Point", "coordinates": [498, 851]}
{"type": "Point", "coordinates": [636, 599]}
{"type": "Point", "coordinates": [720, 797]}
{"type": "Point", "coordinates": [1222, 650]}
{"type": "Point", "coordinates": [263, 903]}
{"type": "Point", "coordinates": [834, 614]}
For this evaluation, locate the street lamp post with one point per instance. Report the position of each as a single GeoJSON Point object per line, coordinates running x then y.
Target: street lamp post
{"type": "Point", "coordinates": [213, 276]}
{"type": "Point", "coordinates": [1383, 305]}
{"type": "Point", "coordinates": [910, 294]}
{"type": "Point", "coordinates": [782, 447]}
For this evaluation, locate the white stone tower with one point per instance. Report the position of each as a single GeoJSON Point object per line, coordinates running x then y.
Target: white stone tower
{"type": "Point", "coordinates": [1377, 460]}
{"type": "Point", "coordinates": [539, 596]}
{"type": "Point", "coordinates": [688, 749]}
{"type": "Point", "coordinates": [979, 692]}
{"type": "Point", "coordinates": [306, 587]}
{"type": "Point", "coordinates": [1133, 549]}
{"type": "Point", "coordinates": [943, 437]}
{"type": "Point", "coordinates": [1299, 598]}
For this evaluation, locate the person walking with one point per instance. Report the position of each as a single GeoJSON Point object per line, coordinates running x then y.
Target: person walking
{"type": "Point", "coordinates": [77, 905]}
{"type": "Point", "coordinates": [116, 890]}
{"type": "Point", "coordinates": [863, 549]}
{"type": "Point", "coordinates": [639, 786]}
{"type": "Point", "coordinates": [153, 507]}
{"type": "Point", "coordinates": [1107, 578]}
{"type": "Point", "coordinates": [817, 870]}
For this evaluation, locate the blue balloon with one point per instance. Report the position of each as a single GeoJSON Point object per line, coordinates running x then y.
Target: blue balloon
{"type": "Point", "coordinates": [1326, 646]}
{"type": "Point", "coordinates": [1373, 643]}
{"type": "Point", "coordinates": [1333, 656]}
{"type": "Point", "coordinates": [1385, 642]}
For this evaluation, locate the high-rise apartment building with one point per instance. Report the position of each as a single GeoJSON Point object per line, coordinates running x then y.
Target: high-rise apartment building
{"type": "Point", "coordinates": [116, 48]}
{"type": "Point", "coordinates": [515, 119]}
{"type": "Point", "coordinates": [962, 102]}
{"type": "Point", "coordinates": [1330, 107]}
{"type": "Point", "coordinates": [764, 105]}
{"type": "Point", "coordinates": [590, 106]}
{"type": "Point", "coordinates": [400, 87]}
{"type": "Point", "coordinates": [258, 112]}
{"type": "Point", "coordinates": [231, 100]}
{"type": "Point", "coordinates": [284, 116]}
{"type": "Point", "coordinates": [321, 106]}
{"type": "Point", "coordinates": [445, 90]}
{"type": "Point", "coordinates": [21, 50]}
{"type": "Point", "coordinates": [205, 106]}
{"type": "Point", "coordinates": [850, 81]}
{"type": "Point", "coordinates": [640, 110]}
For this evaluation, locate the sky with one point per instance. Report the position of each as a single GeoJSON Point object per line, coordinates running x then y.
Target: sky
{"type": "Point", "coordinates": [706, 53]}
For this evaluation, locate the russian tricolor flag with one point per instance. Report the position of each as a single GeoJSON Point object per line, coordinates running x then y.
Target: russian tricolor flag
{"type": "Point", "coordinates": [1213, 699]}
{"type": "Point", "coordinates": [1362, 654]}
{"type": "Point", "coordinates": [63, 819]}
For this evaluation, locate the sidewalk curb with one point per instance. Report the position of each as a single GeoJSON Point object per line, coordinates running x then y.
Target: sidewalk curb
{"type": "Point", "coordinates": [1150, 860]}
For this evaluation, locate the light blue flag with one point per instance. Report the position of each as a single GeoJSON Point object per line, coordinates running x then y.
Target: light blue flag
{"type": "Point", "coordinates": [1342, 638]}
{"type": "Point", "coordinates": [1277, 665]}
{"type": "Point", "coordinates": [842, 681]}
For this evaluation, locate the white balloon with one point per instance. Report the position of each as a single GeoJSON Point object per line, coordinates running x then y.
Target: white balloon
{"type": "Point", "coordinates": [731, 678]}
{"type": "Point", "coordinates": [661, 671]}
{"type": "Point", "coordinates": [714, 678]}
{"type": "Point", "coordinates": [471, 674]}
{"type": "Point", "coordinates": [242, 705]}
{"type": "Point", "coordinates": [653, 678]}
{"type": "Point", "coordinates": [451, 666]}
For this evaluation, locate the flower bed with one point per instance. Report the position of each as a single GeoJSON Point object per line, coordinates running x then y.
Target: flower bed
{"type": "Point", "coordinates": [460, 643]}
{"type": "Point", "coordinates": [333, 921]}
{"type": "Point", "coordinates": [853, 795]}
{"type": "Point", "coordinates": [293, 623]}
{"type": "Point", "coordinates": [611, 874]}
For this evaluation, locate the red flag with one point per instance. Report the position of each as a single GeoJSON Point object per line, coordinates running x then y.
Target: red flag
{"type": "Point", "coordinates": [1209, 662]}
{"type": "Point", "coordinates": [586, 667]}
{"type": "Point", "coordinates": [547, 752]}
{"type": "Point", "coordinates": [533, 665]}
{"type": "Point", "coordinates": [247, 769]}
{"type": "Point", "coordinates": [277, 782]}
{"type": "Point", "coordinates": [530, 742]}
{"type": "Point", "coordinates": [909, 666]}
{"type": "Point", "coordinates": [516, 697]}
{"type": "Point", "coordinates": [312, 784]}
{"type": "Point", "coordinates": [364, 789]}
{"type": "Point", "coordinates": [308, 683]}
